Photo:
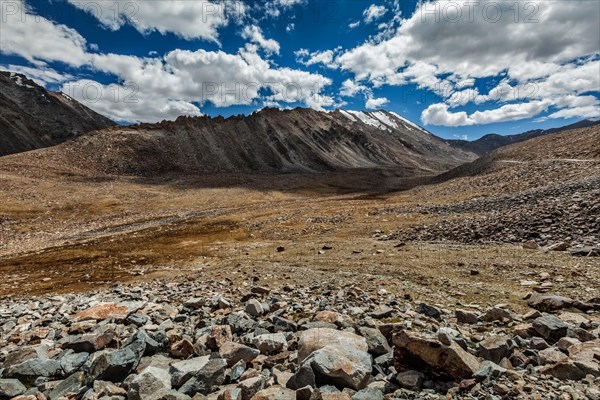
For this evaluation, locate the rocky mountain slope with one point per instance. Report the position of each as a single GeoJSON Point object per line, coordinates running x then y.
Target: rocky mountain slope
{"type": "Point", "coordinates": [491, 142]}
{"type": "Point", "coordinates": [271, 140]}
{"type": "Point", "coordinates": [544, 190]}
{"type": "Point", "coordinates": [32, 117]}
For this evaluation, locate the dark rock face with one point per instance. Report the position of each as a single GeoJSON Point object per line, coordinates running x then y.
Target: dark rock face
{"type": "Point", "coordinates": [32, 117]}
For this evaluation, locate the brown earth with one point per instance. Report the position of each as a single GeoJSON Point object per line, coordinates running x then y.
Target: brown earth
{"type": "Point", "coordinates": [65, 229]}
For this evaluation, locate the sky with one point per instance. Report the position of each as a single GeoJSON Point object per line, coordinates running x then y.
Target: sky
{"type": "Point", "coordinates": [461, 69]}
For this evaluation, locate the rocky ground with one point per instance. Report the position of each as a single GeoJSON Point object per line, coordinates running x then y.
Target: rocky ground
{"type": "Point", "coordinates": [217, 340]}
{"type": "Point", "coordinates": [482, 283]}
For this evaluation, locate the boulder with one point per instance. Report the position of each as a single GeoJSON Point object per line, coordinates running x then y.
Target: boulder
{"type": "Point", "coordinates": [376, 342]}
{"type": "Point", "coordinates": [183, 370]}
{"type": "Point", "coordinates": [207, 379]}
{"type": "Point", "coordinates": [11, 388]}
{"type": "Point", "coordinates": [233, 352]}
{"type": "Point", "coordinates": [270, 343]}
{"type": "Point", "coordinates": [114, 365]}
{"type": "Point", "coordinates": [69, 386]}
{"type": "Point", "coordinates": [341, 365]}
{"type": "Point", "coordinates": [550, 328]}
{"type": "Point", "coordinates": [147, 383]}
{"type": "Point", "coordinates": [317, 338]}
{"type": "Point", "coordinates": [275, 393]}
{"type": "Point", "coordinates": [548, 303]}
{"type": "Point", "coordinates": [427, 354]}
{"type": "Point", "coordinates": [101, 312]}
{"type": "Point", "coordinates": [466, 317]}
{"type": "Point", "coordinates": [410, 379]}
{"type": "Point", "coordinates": [495, 348]}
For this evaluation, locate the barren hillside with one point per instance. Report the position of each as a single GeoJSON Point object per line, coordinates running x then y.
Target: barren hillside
{"type": "Point", "coordinates": [299, 140]}
{"type": "Point", "coordinates": [32, 117]}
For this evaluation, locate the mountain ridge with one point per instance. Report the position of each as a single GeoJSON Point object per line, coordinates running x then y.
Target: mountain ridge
{"type": "Point", "coordinates": [493, 141]}
{"type": "Point", "coordinates": [32, 117]}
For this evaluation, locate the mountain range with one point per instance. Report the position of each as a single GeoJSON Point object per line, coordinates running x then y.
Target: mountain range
{"type": "Point", "coordinates": [269, 140]}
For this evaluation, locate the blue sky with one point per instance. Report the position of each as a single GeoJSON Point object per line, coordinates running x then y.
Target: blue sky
{"type": "Point", "coordinates": [461, 69]}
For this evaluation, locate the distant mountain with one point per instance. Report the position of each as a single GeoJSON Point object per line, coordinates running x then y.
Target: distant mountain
{"type": "Point", "coordinates": [32, 117]}
{"type": "Point", "coordinates": [488, 143]}
{"type": "Point", "coordinates": [271, 140]}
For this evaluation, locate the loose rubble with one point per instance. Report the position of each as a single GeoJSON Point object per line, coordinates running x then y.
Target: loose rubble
{"type": "Point", "coordinates": [199, 340]}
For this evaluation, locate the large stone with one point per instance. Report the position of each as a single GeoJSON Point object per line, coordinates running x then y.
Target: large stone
{"type": "Point", "coordinates": [147, 383]}
{"type": "Point", "coordinates": [270, 343]}
{"type": "Point", "coordinates": [70, 362]}
{"type": "Point", "coordinates": [101, 312]}
{"type": "Point", "coordinates": [341, 365]}
{"type": "Point", "coordinates": [233, 352]}
{"type": "Point", "coordinates": [251, 386]}
{"type": "Point", "coordinates": [550, 328]}
{"type": "Point", "coordinates": [183, 370]}
{"type": "Point", "coordinates": [410, 379]}
{"type": "Point", "coordinates": [550, 355]}
{"type": "Point", "coordinates": [304, 376]}
{"type": "Point", "coordinates": [376, 342]}
{"type": "Point", "coordinates": [465, 317]}
{"type": "Point", "coordinates": [317, 338]}
{"type": "Point", "coordinates": [218, 335]}
{"type": "Point", "coordinates": [427, 354]}
{"type": "Point", "coordinates": [182, 349]}
{"type": "Point", "coordinates": [240, 322]}
{"type": "Point", "coordinates": [11, 388]}
{"type": "Point", "coordinates": [429, 311]}
{"type": "Point", "coordinates": [496, 314]}
{"type": "Point", "coordinates": [336, 357]}
{"type": "Point", "coordinates": [90, 342]}
{"type": "Point", "coordinates": [368, 394]}
{"type": "Point", "coordinates": [207, 379]}
{"type": "Point", "coordinates": [275, 393]}
{"type": "Point", "coordinates": [69, 386]}
{"type": "Point", "coordinates": [254, 308]}
{"type": "Point", "coordinates": [495, 348]}
{"type": "Point", "coordinates": [113, 366]}
{"type": "Point", "coordinates": [547, 303]}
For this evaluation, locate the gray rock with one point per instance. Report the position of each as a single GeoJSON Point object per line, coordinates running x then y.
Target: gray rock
{"type": "Point", "coordinates": [70, 362]}
{"type": "Point", "coordinates": [376, 342]}
{"type": "Point", "coordinates": [495, 348]}
{"type": "Point", "coordinates": [430, 311]}
{"type": "Point", "coordinates": [71, 385]}
{"type": "Point", "coordinates": [148, 382]}
{"type": "Point", "coordinates": [304, 377]}
{"type": "Point", "coordinates": [368, 394]}
{"type": "Point", "coordinates": [240, 322]}
{"type": "Point", "coordinates": [489, 369]}
{"type": "Point", "coordinates": [413, 349]}
{"type": "Point", "coordinates": [207, 379]}
{"type": "Point", "coordinates": [550, 328]}
{"type": "Point", "coordinates": [183, 370]}
{"type": "Point", "coordinates": [11, 388]}
{"type": "Point", "coordinates": [270, 343]}
{"type": "Point", "coordinates": [547, 303]}
{"type": "Point", "coordinates": [254, 308]}
{"type": "Point", "coordinates": [412, 380]}
{"type": "Point", "coordinates": [337, 364]}
{"type": "Point", "coordinates": [233, 352]}
{"type": "Point", "coordinates": [114, 365]}
{"type": "Point", "coordinates": [34, 368]}
{"type": "Point", "coordinates": [137, 319]}
{"type": "Point", "coordinates": [466, 317]}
